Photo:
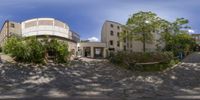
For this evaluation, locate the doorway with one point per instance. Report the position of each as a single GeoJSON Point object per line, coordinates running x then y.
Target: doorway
{"type": "Point", "coordinates": [87, 51]}
{"type": "Point", "coordinates": [98, 52]}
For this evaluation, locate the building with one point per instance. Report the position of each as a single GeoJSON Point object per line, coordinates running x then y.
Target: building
{"type": "Point", "coordinates": [41, 27]}
{"type": "Point", "coordinates": [92, 49]}
{"type": "Point", "coordinates": [110, 35]}
{"type": "Point", "coordinates": [196, 38]}
{"type": "Point", "coordinates": [111, 40]}
{"type": "Point", "coordinates": [9, 28]}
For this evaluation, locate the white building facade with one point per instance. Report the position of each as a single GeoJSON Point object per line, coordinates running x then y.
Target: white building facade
{"type": "Point", "coordinates": [45, 26]}
{"type": "Point", "coordinates": [41, 27]}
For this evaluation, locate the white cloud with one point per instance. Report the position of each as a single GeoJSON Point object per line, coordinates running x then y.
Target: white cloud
{"type": "Point", "coordinates": [93, 39]}
{"type": "Point", "coordinates": [191, 31]}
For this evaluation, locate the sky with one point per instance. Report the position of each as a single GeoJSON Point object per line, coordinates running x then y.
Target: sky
{"type": "Point", "coordinates": [86, 17]}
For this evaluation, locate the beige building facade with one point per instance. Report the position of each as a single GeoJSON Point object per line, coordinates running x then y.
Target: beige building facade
{"type": "Point", "coordinates": [111, 40]}
{"type": "Point", "coordinates": [92, 49]}
{"type": "Point", "coordinates": [110, 35]}
{"type": "Point", "coordinates": [9, 28]}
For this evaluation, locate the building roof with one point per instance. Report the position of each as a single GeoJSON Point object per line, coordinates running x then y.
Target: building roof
{"type": "Point", "coordinates": [74, 32]}
{"type": "Point", "coordinates": [113, 22]}
{"type": "Point", "coordinates": [196, 34]}
{"type": "Point", "coordinates": [3, 25]}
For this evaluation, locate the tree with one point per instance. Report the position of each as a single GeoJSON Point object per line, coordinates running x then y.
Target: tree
{"type": "Point", "coordinates": [176, 36]}
{"type": "Point", "coordinates": [141, 26]}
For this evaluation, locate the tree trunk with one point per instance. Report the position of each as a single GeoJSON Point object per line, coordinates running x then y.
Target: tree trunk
{"type": "Point", "coordinates": [144, 43]}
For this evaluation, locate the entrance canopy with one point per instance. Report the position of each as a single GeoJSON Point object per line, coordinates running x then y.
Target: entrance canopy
{"type": "Point", "coordinates": [92, 49]}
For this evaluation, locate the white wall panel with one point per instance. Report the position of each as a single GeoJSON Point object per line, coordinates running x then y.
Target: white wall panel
{"type": "Point", "coordinates": [45, 29]}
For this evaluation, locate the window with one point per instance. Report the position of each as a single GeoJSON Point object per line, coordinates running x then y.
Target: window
{"type": "Point", "coordinates": [111, 33]}
{"type": "Point", "coordinates": [111, 42]}
{"type": "Point", "coordinates": [124, 48]}
{"type": "Point", "coordinates": [111, 49]}
{"type": "Point", "coordinates": [131, 39]}
{"type": "Point", "coordinates": [118, 27]}
{"type": "Point", "coordinates": [12, 25]}
{"type": "Point", "coordinates": [118, 43]}
{"type": "Point", "coordinates": [118, 34]}
{"type": "Point", "coordinates": [124, 40]}
{"type": "Point", "coordinates": [111, 25]}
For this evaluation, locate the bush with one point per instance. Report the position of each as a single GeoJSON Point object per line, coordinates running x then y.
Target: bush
{"type": "Point", "coordinates": [37, 50]}
{"type": "Point", "coordinates": [1, 49]}
{"type": "Point", "coordinates": [32, 50]}
{"type": "Point", "coordinates": [60, 49]}
{"type": "Point", "coordinates": [128, 60]}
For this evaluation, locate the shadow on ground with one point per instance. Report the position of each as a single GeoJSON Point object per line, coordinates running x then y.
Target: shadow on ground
{"type": "Point", "coordinates": [97, 80]}
{"type": "Point", "coordinates": [55, 81]}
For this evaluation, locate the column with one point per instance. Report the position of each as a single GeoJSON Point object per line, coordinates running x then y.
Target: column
{"type": "Point", "coordinates": [92, 52]}
{"type": "Point", "coordinates": [104, 53]}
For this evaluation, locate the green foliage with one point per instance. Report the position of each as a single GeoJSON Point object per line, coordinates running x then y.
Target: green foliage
{"type": "Point", "coordinates": [181, 42]}
{"type": "Point", "coordinates": [176, 38]}
{"type": "Point", "coordinates": [1, 49]}
{"type": "Point", "coordinates": [37, 51]}
{"type": "Point", "coordinates": [129, 60]}
{"type": "Point", "coordinates": [178, 25]}
{"type": "Point", "coordinates": [141, 26]}
{"type": "Point", "coordinates": [10, 44]}
{"type": "Point", "coordinates": [155, 67]}
{"type": "Point", "coordinates": [32, 50]}
{"type": "Point", "coordinates": [25, 50]}
{"type": "Point", "coordinates": [60, 49]}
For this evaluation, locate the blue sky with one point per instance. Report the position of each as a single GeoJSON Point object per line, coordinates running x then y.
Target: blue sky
{"type": "Point", "coordinates": [86, 17]}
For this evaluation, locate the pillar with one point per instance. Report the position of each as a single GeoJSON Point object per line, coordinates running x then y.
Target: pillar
{"type": "Point", "coordinates": [92, 52]}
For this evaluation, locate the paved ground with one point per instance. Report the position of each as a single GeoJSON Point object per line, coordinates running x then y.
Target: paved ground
{"type": "Point", "coordinates": [97, 80]}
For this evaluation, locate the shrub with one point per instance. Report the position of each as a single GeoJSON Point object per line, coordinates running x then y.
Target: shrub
{"type": "Point", "coordinates": [37, 50]}
{"type": "Point", "coordinates": [1, 49]}
{"type": "Point", "coordinates": [10, 44]}
{"type": "Point", "coordinates": [32, 50]}
{"type": "Point", "coordinates": [128, 60]}
{"type": "Point", "coordinates": [25, 50]}
{"type": "Point", "coordinates": [60, 49]}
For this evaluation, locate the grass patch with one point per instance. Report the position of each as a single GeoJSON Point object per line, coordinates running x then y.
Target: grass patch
{"type": "Point", "coordinates": [144, 62]}
{"type": "Point", "coordinates": [154, 67]}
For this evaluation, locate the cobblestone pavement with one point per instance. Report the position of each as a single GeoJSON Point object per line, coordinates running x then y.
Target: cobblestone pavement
{"type": "Point", "coordinates": [98, 80]}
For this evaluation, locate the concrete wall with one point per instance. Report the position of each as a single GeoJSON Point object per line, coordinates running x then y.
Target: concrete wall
{"type": "Point", "coordinates": [9, 28]}
{"type": "Point", "coordinates": [4, 33]}
{"type": "Point", "coordinates": [16, 29]}
{"type": "Point", "coordinates": [131, 45]}
{"type": "Point", "coordinates": [106, 36]}
{"type": "Point", "coordinates": [45, 26]}
{"type": "Point", "coordinates": [72, 46]}
{"type": "Point", "coordinates": [91, 45]}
